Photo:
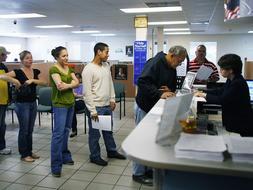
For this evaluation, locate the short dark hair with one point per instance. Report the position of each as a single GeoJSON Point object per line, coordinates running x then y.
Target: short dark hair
{"type": "Point", "coordinates": [231, 61]}
{"type": "Point", "coordinates": [23, 54]}
{"type": "Point", "coordinates": [99, 46]}
{"type": "Point", "coordinates": [56, 52]}
{"type": "Point", "coordinates": [201, 46]}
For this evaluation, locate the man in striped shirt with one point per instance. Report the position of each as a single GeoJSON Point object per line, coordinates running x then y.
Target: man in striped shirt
{"type": "Point", "coordinates": [200, 59]}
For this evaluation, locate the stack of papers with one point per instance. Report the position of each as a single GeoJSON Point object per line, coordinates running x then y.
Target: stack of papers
{"type": "Point", "coordinates": [240, 148]}
{"type": "Point", "coordinates": [204, 72]}
{"type": "Point", "coordinates": [200, 147]}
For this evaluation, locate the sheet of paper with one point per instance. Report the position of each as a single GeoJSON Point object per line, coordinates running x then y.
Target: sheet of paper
{"type": "Point", "coordinates": [204, 72]}
{"type": "Point", "coordinates": [157, 110]}
{"type": "Point", "coordinates": [104, 123]}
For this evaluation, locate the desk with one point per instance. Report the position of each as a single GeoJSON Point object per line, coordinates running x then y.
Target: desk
{"type": "Point", "coordinates": [140, 147]}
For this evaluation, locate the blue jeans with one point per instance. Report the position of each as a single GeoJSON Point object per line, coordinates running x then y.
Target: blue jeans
{"type": "Point", "coordinates": [138, 169]}
{"type": "Point", "coordinates": [26, 113]}
{"type": "Point", "coordinates": [2, 126]}
{"type": "Point", "coordinates": [59, 144]}
{"type": "Point", "coordinates": [94, 136]}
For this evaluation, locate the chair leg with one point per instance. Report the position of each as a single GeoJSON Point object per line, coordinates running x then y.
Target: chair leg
{"type": "Point", "coordinates": [120, 107]}
{"type": "Point", "coordinates": [124, 104]}
{"type": "Point", "coordinates": [12, 116]}
{"type": "Point", "coordinates": [84, 123]}
{"type": "Point", "coordinates": [39, 119]}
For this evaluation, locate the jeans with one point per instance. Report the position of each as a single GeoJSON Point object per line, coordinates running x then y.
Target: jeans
{"type": "Point", "coordinates": [94, 136]}
{"type": "Point", "coordinates": [138, 169]}
{"type": "Point", "coordinates": [26, 113]}
{"type": "Point", "coordinates": [2, 126]}
{"type": "Point", "coordinates": [59, 144]}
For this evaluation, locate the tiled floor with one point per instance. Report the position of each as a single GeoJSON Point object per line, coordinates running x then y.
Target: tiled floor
{"type": "Point", "coordinates": [17, 175]}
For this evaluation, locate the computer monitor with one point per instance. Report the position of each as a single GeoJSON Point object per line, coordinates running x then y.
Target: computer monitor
{"type": "Point", "coordinates": [250, 85]}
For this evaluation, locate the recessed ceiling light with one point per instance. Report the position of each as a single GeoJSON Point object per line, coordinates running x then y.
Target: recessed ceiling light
{"type": "Point", "coordinates": [175, 29]}
{"type": "Point", "coordinates": [103, 34]}
{"type": "Point", "coordinates": [86, 32]}
{"type": "Point", "coordinates": [25, 15]}
{"type": "Point", "coordinates": [176, 33]}
{"type": "Point", "coordinates": [152, 9]}
{"type": "Point", "coordinates": [251, 31]}
{"type": "Point", "coordinates": [167, 22]}
{"type": "Point", "coordinates": [55, 26]}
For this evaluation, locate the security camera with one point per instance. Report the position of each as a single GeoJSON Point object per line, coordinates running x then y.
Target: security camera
{"type": "Point", "coordinates": [15, 22]}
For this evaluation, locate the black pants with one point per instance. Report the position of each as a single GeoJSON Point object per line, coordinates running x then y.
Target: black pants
{"type": "Point", "coordinates": [79, 105]}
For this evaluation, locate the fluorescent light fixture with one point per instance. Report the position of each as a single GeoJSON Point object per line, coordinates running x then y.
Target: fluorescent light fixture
{"type": "Point", "coordinates": [22, 35]}
{"type": "Point", "coordinates": [152, 9]}
{"type": "Point", "coordinates": [199, 23]}
{"type": "Point", "coordinates": [55, 26]}
{"type": "Point", "coordinates": [250, 32]}
{"type": "Point", "coordinates": [86, 32]}
{"type": "Point", "coordinates": [175, 29]}
{"type": "Point", "coordinates": [103, 34]}
{"type": "Point", "coordinates": [176, 33]}
{"type": "Point", "coordinates": [167, 22]}
{"type": "Point", "coordinates": [26, 15]}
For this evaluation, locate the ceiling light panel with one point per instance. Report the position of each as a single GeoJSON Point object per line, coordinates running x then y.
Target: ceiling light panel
{"type": "Point", "coordinates": [152, 9]}
{"type": "Point", "coordinates": [167, 22]}
{"type": "Point", "coordinates": [26, 15]}
{"type": "Point", "coordinates": [54, 26]}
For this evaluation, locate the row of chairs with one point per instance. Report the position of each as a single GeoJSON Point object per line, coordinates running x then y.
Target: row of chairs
{"type": "Point", "coordinates": [45, 103]}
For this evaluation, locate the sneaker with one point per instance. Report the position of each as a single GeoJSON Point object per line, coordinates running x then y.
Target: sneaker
{"type": "Point", "coordinates": [5, 151]}
{"type": "Point", "coordinates": [71, 162]}
{"type": "Point", "coordinates": [73, 134]}
{"type": "Point", "coordinates": [56, 174]}
{"type": "Point", "coordinates": [28, 159]}
{"type": "Point", "coordinates": [143, 180]}
{"type": "Point", "coordinates": [115, 154]}
{"type": "Point", "coordinates": [99, 162]}
{"type": "Point", "coordinates": [35, 156]}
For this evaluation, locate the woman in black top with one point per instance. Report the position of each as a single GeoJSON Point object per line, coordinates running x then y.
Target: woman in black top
{"type": "Point", "coordinates": [25, 105]}
{"type": "Point", "coordinates": [237, 114]}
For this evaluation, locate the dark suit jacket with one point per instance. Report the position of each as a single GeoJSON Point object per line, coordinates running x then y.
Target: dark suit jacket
{"type": "Point", "coordinates": [237, 114]}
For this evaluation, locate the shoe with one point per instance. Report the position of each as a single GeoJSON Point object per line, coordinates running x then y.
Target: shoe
{"type": "Point", "coordinates": [56, 174]}
{"type": "Point", "coordinates": [99, 162]}
{"type": "Point", "coordinates": [5, 151]}
{"type": "Point", "coordinates": [73, 134]}
{"type": "Point", "coordinates": [116, 155]}
{"type": "Point", "coordinates": [28, 159]}
{"type": "Point", "coordinates": [35, 156]}
{"type": "Point", "coordinates": [71, 162]}
{"type": "Point", "coordinates": [143, 180]}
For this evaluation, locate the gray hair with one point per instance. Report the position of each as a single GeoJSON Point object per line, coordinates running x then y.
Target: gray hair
{"type": "Point", "coordinates": [177, 50]}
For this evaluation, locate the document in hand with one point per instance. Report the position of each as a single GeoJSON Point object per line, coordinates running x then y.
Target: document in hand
{"type": "Point", "coordinates": [240, 148]}
{"type": "Point", "coordinates": [204, 72]}
{"type": "Point", "coordinates": [200, 147]}
{"type": "Point", "coordinates": [105, 123]}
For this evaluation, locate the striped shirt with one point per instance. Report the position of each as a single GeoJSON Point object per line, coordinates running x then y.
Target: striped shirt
{"type": "Point", "coordinates": [194, 67]}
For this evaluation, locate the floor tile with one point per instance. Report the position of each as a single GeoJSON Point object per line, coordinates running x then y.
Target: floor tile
{"type": "Point", "coordinates": [106, 178]}
{"type": "Point", "coordinates": [29, 179]}
{"type": "Point", "coordinates": [84, 175]}
{"type": "Point", "coordinates": [75, 185]}
{"type": "Point", "coordinates": [10, 176]}
{"type": "Point", "coordinates": [127, 181]}
{"type": "Point", "coordinates": [111, 169]}
{"type": "Point", "coordinates": [97, 186]}
{"type": "Point", "coordinates": [15, 186]}
{"type": "Point", "coordinates": [51, 182]}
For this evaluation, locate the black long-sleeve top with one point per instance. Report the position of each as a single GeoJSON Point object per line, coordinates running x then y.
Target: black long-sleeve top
{"type": "Point", "coordinates": [237, 114]}
{"type": "Point", "coordinates": [156, 73]}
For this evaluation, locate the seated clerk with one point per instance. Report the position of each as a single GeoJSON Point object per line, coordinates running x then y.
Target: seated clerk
{"type": "Point", "coordinates": [237, 114]}
{"type": "Point", "coordinates": [79, 103]}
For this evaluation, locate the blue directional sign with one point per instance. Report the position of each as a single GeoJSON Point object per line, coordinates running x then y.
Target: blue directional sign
{"type": "Point", "coordinates": [140, 58]}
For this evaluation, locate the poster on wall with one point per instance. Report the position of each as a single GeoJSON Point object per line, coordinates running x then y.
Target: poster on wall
{"type": "Point", "coordinates": [129, 51]}
{"type": "Point", "coordinates": [120, 72]}
{"type": "Point", "coordinates": [140, 58]}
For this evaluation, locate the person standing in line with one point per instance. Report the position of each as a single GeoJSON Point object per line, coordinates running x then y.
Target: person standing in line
{"type": "Point", "coordinates": [99, 97]}
{"type": "Point", "coordinates": [158, 80]}
{"type": "Point", "coordinates": [25, 104]}
{"type": "Point", "coordinates": [63, 80]}
{"type": "Point", "coordinates": [4, 100]}
{"type": "Point", "coordinates": [200, 60]}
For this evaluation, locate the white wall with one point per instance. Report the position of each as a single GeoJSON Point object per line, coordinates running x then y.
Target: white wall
{"type": "Point", "coordinates": [79, 49]}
